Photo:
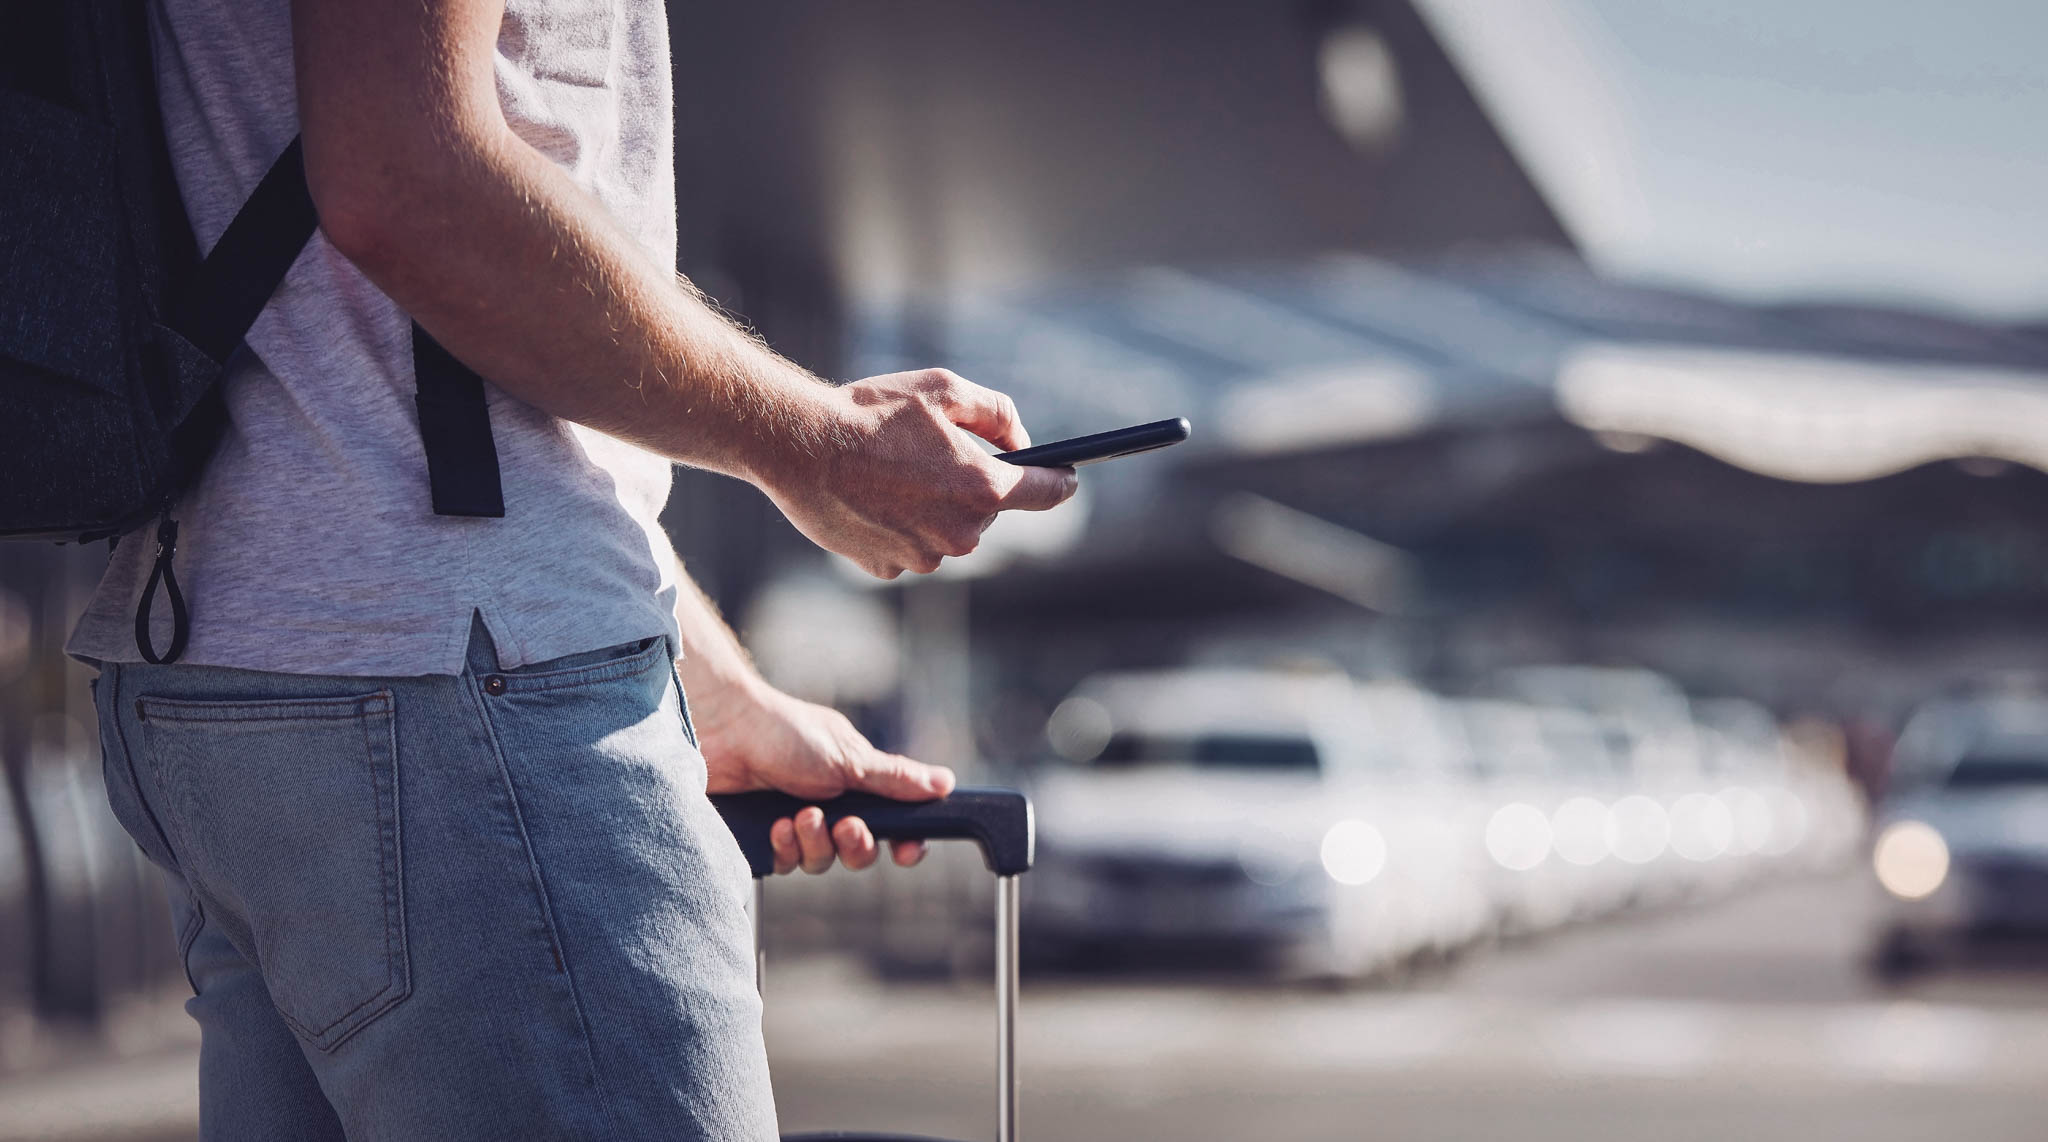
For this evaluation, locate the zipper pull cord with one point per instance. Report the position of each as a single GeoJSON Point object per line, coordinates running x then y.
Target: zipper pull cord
{"type": "Point", "coordinates": [181, 620]}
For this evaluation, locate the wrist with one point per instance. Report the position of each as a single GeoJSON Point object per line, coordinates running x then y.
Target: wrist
{"type": "Point", "coordinates": [804, 422]}
{"type": "Point", "coordinates": [727, 697]}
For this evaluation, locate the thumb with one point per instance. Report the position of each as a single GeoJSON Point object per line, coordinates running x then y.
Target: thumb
{"type": "Point", "coordinates": [901, 779]}
{"type": "Point", "coordinates": [1038, 489]}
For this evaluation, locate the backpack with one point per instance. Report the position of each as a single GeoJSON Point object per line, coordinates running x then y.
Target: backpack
{"type": "Point", "coordinates": [114, 333]}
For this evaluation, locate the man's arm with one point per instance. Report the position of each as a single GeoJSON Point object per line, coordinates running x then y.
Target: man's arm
{"type": "Point", "coordinates": [523, 276]}
{"type": "Point", "coordinates": [756, 737]}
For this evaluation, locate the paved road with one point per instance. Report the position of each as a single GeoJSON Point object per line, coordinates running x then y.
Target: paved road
{"type": "Point", "coordinates": [1746, 1019]}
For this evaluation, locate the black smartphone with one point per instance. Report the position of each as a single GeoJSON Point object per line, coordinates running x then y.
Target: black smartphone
{"type": "Point", "coordinates": [1101, 446]}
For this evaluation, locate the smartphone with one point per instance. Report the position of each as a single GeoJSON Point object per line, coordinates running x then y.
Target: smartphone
{"type": "Point", "coordinates": [1101, 446]}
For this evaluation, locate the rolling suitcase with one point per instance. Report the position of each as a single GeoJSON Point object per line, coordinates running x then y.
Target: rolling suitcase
{"type": "Point", "coordinates": [998, 820]}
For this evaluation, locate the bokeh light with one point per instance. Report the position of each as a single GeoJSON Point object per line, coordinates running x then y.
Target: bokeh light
{"type": "Point", "coordinates": [1518, 836]}
{"type": "Point", "coordinates": [1353, 852]}
{"type": "Point", "coordinates": [1911, 859]}
{"type": "Point", "coordinates": [1638, 829]}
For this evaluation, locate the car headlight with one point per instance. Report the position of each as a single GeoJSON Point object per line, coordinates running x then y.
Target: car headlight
{"type": "Point", "coordinates": [1518, 836]}
{"type": "Point", "coordinates": [1353, 852]}
{"type": "Point", "coordinates": [1578, 832]}
{"type": "Point", "coordinates": [1269, 857]}
{"type": "Point", "coordinates": [1911, 859]}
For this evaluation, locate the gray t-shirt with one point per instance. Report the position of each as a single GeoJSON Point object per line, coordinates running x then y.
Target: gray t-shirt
{"type": "Point", "coordinates": [310, 543]}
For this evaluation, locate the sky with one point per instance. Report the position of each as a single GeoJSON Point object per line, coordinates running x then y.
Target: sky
{"type": "Point", "coordinates": [1813, 150]}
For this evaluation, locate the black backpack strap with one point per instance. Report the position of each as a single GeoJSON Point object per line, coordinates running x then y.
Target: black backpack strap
{"type": "Point", "coordinates": [233, 284]}
{"type": "Point", "coordinates": [455, 425]}
{"type": "Point", "coordinates": [245, 267]}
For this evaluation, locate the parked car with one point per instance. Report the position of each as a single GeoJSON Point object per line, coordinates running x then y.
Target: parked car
{"type": "Point", "coordinates": [1260, 809]}
{"type": "Point", "coordinates": [1783, 809]}
{"type": "Point", "coordinates": [1521, 786]}
{"type": "Point", "coordinates": [1959, 844]}
{"type": "Point", "coordinates": [1432, 810]}
{"type": "Point", "coordinates": [1644, 722]}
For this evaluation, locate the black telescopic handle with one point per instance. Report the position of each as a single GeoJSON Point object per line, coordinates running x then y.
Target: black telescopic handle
{"type": "Point", "coordinates": [999, 820]}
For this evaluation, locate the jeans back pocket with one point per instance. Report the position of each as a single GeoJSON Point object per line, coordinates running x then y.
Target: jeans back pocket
{"type": "Point", "coordinates": [286, 812]}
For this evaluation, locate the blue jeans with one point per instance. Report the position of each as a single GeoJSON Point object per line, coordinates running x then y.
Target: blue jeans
{"type": "Point", "coordinates": [497, 905]}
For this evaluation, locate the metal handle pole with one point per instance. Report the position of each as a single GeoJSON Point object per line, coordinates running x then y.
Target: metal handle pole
{"type": "Point", "coordinates": [1006, 1009]}
{"type": "Point", "coordinates": [760, 953]}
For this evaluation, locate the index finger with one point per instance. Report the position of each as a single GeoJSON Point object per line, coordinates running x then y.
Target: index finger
{"type": "Point", "coordinates": [987, 414]}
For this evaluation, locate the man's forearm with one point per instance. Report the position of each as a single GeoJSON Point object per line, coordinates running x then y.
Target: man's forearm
{"type": "Point", "coordinates": [513, 267]}
{"type": "Point", "coordinates": [495, 250]}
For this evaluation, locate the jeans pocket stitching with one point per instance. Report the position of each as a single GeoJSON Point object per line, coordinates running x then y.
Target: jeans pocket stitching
{"type": "Point", "coordinates": [683, 707]}
{"type": "Point", "coordinates": [157, 709]}
{"type": "Point", "coordinates": [391, 865]}
{"type": "Point", "coordinates": [118, 751]}
{"type": "Point", "coordinates": [390, 857]}
{"type": "Point", "coordinates": [382, 766]}
{"type": "Point", "coordinates": [588, 674]}
{"type": "Point", "coordinates": [188, 933]}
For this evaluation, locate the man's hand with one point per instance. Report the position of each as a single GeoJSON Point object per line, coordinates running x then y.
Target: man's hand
{"type": "Point", "coordinates": [897, 485]}
{"type": "Point", "coordinates": [761, 738]}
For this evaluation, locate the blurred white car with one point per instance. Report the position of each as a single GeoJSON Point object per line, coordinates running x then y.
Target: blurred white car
{"type": "Point", "coordinates": [1782, 809]}
{"type": "Point", "coordinates": [1531, 805]}
{"type": "Point", "coordinates": [1589, 778]}
{"type": "Point", "coordinates": [1650, 763]}
{"type": "Point", "coordinates": [1696, 787]}
{"type": "Point", "coordinates": [1294, 812]}
{"type": "Point", "coordinates": [1408, 762]}
{"type": "Point", "coordinates": [1960, 841]}
{"type": "Point", "coordinates": [1649, 795]}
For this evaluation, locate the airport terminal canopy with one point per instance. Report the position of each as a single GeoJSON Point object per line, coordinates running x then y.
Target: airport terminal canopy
{"type": "Point", "coordinates": [1515, 419]}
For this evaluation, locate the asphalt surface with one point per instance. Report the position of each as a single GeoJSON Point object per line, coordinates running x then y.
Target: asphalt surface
{"type": "Point", "coordinates": [1747, 1018]}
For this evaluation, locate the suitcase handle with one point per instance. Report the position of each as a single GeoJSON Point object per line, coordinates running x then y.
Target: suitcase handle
{"type": "Point", "coordinates": [998, 820]}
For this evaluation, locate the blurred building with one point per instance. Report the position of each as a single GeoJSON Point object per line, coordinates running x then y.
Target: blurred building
{"type": "Point", "coordinates": [1428, 439]}
{"type": "Point", "coordinates": [838, 160]}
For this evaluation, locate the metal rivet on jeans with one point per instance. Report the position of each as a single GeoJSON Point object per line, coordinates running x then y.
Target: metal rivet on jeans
{"type": "Point", "coordinates": [494, 685]}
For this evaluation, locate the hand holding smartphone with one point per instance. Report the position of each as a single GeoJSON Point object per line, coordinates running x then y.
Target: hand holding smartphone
{"type": "Point", "coordinates": [1093, 449]}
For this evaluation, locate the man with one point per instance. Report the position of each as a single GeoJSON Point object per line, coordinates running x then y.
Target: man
{"type": "Point", "coordinates": [426, 788]}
